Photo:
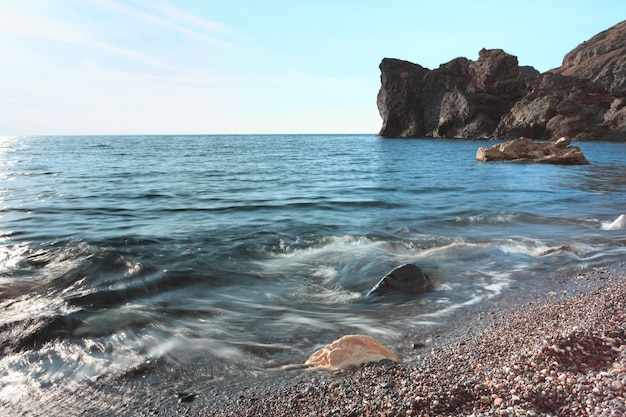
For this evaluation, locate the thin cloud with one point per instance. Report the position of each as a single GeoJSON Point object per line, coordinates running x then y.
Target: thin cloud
{"type": "Point", "coordinates": [165, 22]}
{"type": "Point", "coordinates": [192, 19]}
{"type": "Point", "coordinates": [60, 23]}
{"type": "Point", "coordinates": [36, 27]}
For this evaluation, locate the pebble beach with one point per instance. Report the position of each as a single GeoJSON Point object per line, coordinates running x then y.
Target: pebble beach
{"type": "Point", "coordinates": [562, 356]}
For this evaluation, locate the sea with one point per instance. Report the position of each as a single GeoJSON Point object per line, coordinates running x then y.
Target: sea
{"type": "Point", "coordinates": [251, 251]}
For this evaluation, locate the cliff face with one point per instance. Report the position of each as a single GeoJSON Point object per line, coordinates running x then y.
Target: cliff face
{"type": "Point", "coordinates": [494, 97]}
{"type": "Point", "coordinates": [601, 59]}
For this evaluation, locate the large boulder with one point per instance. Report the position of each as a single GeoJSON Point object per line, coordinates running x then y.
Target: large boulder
{"type": "Point", "coordinates": [527, 150]}
{"type": "Point", "coordinates": [348, 351]}
{"type": "Point", "coordinates": [495, 98]}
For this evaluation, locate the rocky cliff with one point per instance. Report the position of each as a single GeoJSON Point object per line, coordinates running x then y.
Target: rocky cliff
{"type": "Point", "coordinates": [495, 98]}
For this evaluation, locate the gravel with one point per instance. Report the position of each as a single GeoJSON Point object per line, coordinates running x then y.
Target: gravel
{"type": "Point", "coordinates": [562, 357]}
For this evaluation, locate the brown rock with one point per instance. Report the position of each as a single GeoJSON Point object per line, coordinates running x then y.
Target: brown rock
{"type": "Point", "coordinates": [493, 97]}
{"type": "Point", "coordinates": [556, 106]}
{"type": "Point", "coordinates": [401, 113]}
{"type": "Point", "coordinates": [601, 59]}
{"type": "Point", "coordinates": [525, 149]}
{"type": "Point", "coordinates": [461, 98]}
{"type": "Point", "coordinates": [349, 351]}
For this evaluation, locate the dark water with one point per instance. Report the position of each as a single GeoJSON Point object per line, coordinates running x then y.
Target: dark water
{"type": "Point", "coordinates": [254, 250]}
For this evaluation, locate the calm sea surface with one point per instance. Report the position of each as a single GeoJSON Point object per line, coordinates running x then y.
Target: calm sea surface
{"type": "Point", "coordinates": [250, 251]}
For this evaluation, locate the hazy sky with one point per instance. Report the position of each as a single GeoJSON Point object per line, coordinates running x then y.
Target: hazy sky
{"type": "Point", "coordinates": [235, 66]}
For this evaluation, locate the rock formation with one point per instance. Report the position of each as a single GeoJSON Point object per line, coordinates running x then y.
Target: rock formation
{"type": "Point", "coordinates": [525, 149]}
{"type": "Point", "coordinates": [558, 105]}
{"type": "Point", "coordinates": [350, 350]}
{"type": "Point", "coordinates": [601, 59]}
{"type": "Point", "coordinates": [495, 98]}
{"type": "Point", "coordinates": [407, 278]}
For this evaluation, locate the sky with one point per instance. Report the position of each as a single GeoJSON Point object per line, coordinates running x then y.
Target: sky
{"type": "Point", "coordinates": [78, 67]}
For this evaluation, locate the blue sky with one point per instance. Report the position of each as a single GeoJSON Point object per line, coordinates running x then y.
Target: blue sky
{"type": "Point", "coordinates": [272, 66]}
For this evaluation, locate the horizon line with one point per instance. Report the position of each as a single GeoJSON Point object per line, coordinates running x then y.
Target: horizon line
{"type": "Point", "coordinates": [4, 136]}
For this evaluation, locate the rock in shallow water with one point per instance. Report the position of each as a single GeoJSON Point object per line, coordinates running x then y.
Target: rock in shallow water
{"type": "Point", "coordinates": [407, 278]}
{"type": "Point", "coordinates": [527, 150]}
{"type": "Point", "coordinates": [349, 351]}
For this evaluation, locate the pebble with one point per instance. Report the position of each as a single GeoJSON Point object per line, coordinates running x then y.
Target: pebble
{"type": "Point", "coordinates": [575, 367]}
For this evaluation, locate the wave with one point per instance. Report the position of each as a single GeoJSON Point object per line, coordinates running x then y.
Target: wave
{"type": "Point", "coordinates": [154, 297]}
{"type": "Point", "coordinates": [353, 263]}
{"type": "Point", "coordinates": [522, 218]}
{"type": "Point", "coordinates": [617, 224]}
{"type": "Point", "coordinates": [26, 267]}
{"type": "Point", "coordinates": [285, 206]}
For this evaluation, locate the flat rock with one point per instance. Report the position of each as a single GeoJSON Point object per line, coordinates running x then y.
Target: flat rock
{"type": "Point", "coordinates": [527, 150]}
{"type": "Point", "coordinates": [350, 350]}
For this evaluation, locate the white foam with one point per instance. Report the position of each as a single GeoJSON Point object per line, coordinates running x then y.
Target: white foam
{"type": "Point", "coordinates": [498, 283]}
{"type": "Point", "coordinates": [459, 243]}
{"type": "Point", "coordinates": [332, 259]}
{"type": "Point", "coordinates": [327, 273]}
{"type": "Point", "coordinates": [12, 256]}
{"type": "Point", "coordinates": [617, 224]}
{"type": "Point", "coordinates": [502, 218]}
{"type": "Point", "coordinates": [333, 247]}
{"type": "Point", "coordinates": [450, 309]}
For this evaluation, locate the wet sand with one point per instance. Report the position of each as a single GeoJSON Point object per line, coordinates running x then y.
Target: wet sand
{"type": "Point", "coordinates": [554, 352]}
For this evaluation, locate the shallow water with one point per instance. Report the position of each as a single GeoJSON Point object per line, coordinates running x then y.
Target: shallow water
{"type": "Point", "coordinates": [248, 251]}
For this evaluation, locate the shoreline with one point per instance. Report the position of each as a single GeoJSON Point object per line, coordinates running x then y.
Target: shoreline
{"type": "Point", "coordinates": [562, 355]}
{"type": "Point", "coordinates": [543, 352]}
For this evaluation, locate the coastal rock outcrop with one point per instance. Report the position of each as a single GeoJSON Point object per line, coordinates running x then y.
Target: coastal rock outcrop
{"type": "Point", "coordinates": [558, 105]}
{"type": "Point", "coordinates": [601, 59]}
{"type": "Point", "coordinates": [350, 350]}
{"type": "Point", "coordinates": [407, 278]}
{"type": "Point", "coordinates": [527, 150]}
{"type": "Point", "coordinates": [496, 98]}
{"type": "Point", "coordinates": [461, 98]}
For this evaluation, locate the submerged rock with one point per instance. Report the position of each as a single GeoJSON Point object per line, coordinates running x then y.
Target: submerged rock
{"type": "Point", "coordinates": [407, 278]}
{"type": "Point", "coordinates": [525, 149]}
{"type": "Point", "coordinates": [562, 248]}
{"type": "Point", "coordinates": [350, 350]}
